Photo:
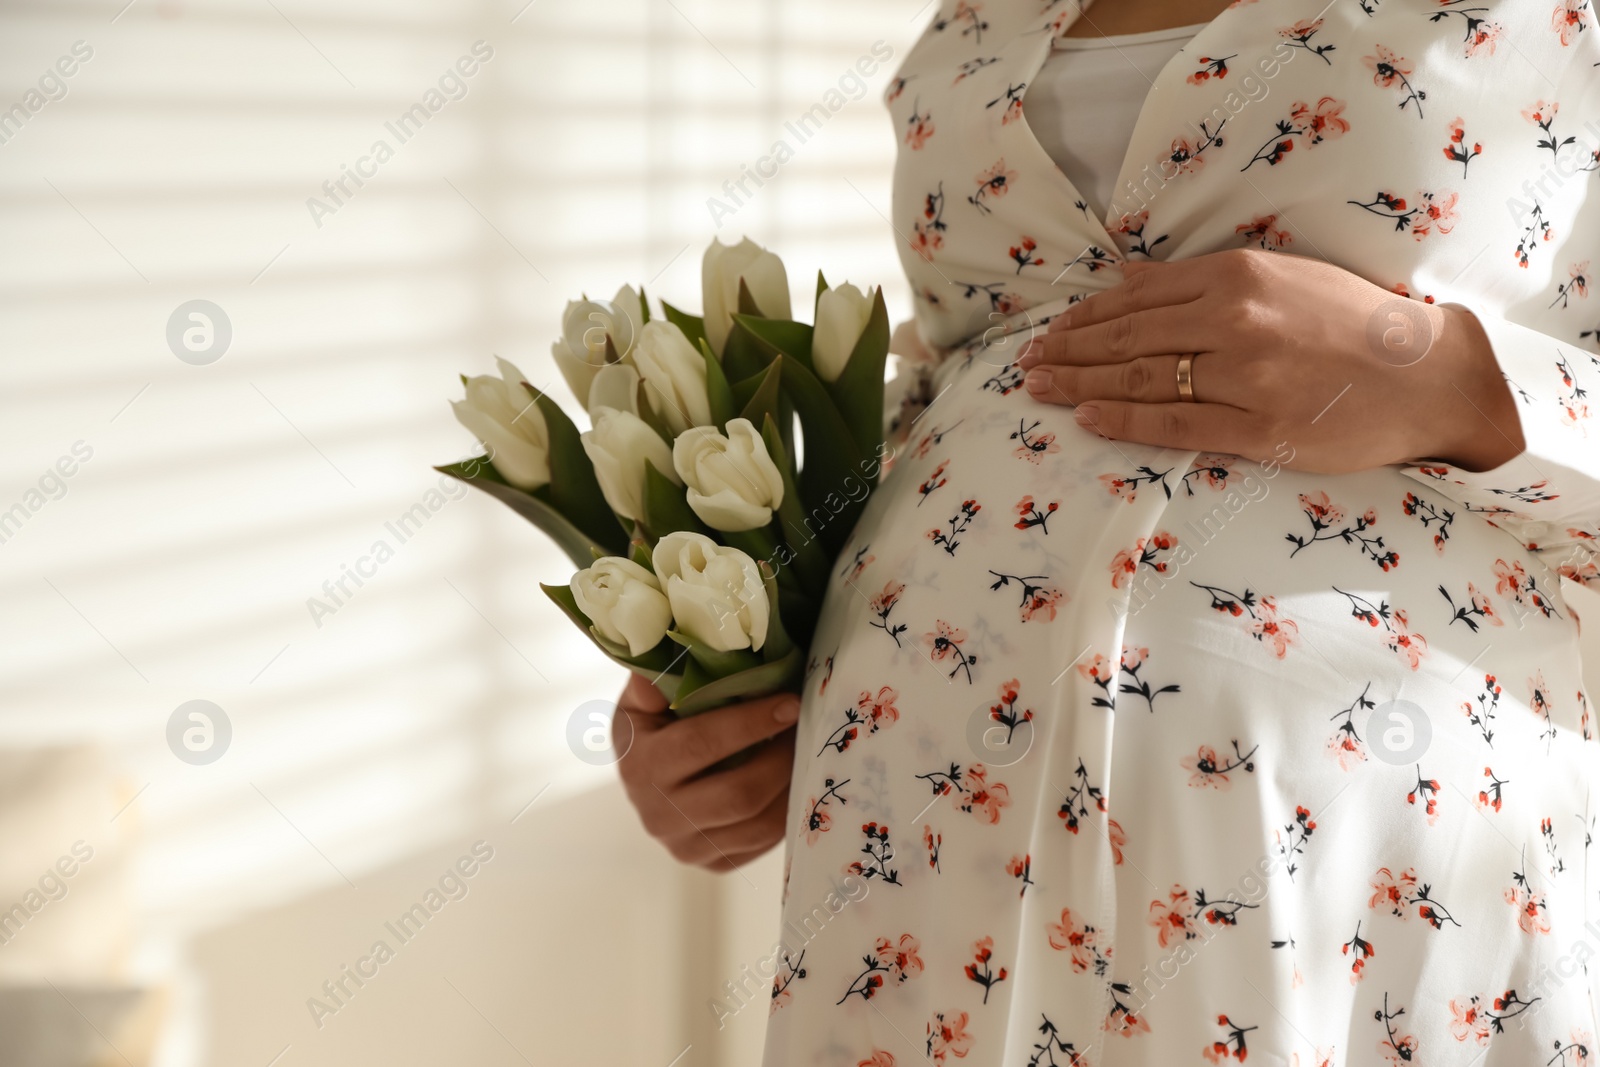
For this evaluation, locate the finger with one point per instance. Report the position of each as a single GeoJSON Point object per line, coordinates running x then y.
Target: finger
{"type": "Point", "coordinates": [1156, 285]}
{"type": "Point", "coordinates": [724, 864]}
{"type": "Point", "coordinates": [641, 711]}
{"type": "Point", "coordinates": [723, 798]}
{"type": "Point", "coordinates": [1154, 332]}
{"type": "Point", "coordinates": [1203, 427]}
{"type": "Point", "coordinates": [1146, 380]}
{"type": "Point", "coordinates": [727, 846]}
{"type": "Point", "coordinates": [691, 745]}
{"type": "Point", "coordinates": [641, 694]}
{"type": "Point", "coordinates": [760, 832]}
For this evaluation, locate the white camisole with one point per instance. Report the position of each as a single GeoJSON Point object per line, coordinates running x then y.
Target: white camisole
{"type": "Point", "coordinates": [1083, 103]}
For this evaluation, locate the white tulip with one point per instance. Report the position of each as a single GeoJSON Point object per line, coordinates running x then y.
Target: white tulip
{"type": "Point", "coordinates": [501, 413]}
{"type": "Point", "coordinates": [674, 374]}
{"type": "Point", "coordinates": [628, 303]}
{"type": "Point", "coordinates": [842, 314]}
{"type": "Point", "coordinates": [733, 483]}
{"type": "Point", "coordinates": [615, 386]}
{"type": "Point", "coordinates": [624, 602]}
{"type": "Point", "coordinates": [578, 371]}
{"type": "Point", "coordinates": [619, 446]}
{"type": "Point", "coordinates": [720, 272]}
{"type": "Point", "coordinates": [585, 326]}
{"type": "Point", "coordinates": [716, 593]}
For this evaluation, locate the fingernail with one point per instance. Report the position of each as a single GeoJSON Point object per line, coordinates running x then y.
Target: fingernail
{"type": "Point", "coordinates": [787, 711]}
{"type": "Point", "coordinates": [1037, 380]}
{"type": "Point", "coordinates": [1030, 356]}
{"type": "Point", "coordinates": [1087, 415]}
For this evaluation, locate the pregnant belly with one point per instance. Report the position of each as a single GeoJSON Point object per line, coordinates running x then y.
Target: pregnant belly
{"type": "Point", "coordinates": [1060, 683]}
{"type": "Point", "coordinates": [1004, 526]}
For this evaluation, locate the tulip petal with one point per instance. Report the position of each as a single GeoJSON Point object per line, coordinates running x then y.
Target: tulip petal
{"type": "Point", "coordinates": [616, 385]}
{"type": "Point", "coordinates": [519, 461]}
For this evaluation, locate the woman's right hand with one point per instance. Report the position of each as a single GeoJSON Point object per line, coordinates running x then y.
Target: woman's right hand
{"type": "Point", "coordinates": [718, 820]}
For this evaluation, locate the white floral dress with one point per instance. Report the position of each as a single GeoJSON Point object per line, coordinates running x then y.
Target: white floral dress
{"type": "Point", "coordinates": [1119, 755]}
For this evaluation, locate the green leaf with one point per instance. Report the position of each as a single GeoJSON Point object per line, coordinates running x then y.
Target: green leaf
{"type": "Point", "coordinates": [810, 561]}
{"type": "Point", "coordinates": [822, 287]}
{"type": "Point", "coordinates": [648, 415]}
{"type": "Point", "coordinates": [574, 490]}
{"type": "Point", "coordinates": [718, 391]}
{"type": "Point", "coordinates": [758, 395]}
{"type": "Point", "coordinates": [742, 355]}
{"type": "Point", "coordinates": [833, 459]}
{"type": "Point", "coordinates": [799, 613]}
{"type": "Point", "coordinates": [700, 692]}
{"type": "Point", "coordinates": [786, 423]}
{"type": "Point", "coordinates": [639, 552]}
{"type": "Point", "coordinates": [666, 506]}
{"type": "Point", "coordinates": [651, 663]}
{"type": "Point", "coordinates": [693, 326]}
{"type": "Point", "coordinates": [577, 544]}
{"type": "Point", "coordinates": [747, 302]}
{"type": "Point", "coordinates": [779, 337]}
{"type": "Point", "coordinates": [644, 307]}
{"type": "Point", "coordinates": [477, 467]}
{"type": "Point", "coordinates": [776, 644]}
{"type": "Point", "coordinates": [858, 392]}
{"type": "Point", "coordinates": [715, 663]}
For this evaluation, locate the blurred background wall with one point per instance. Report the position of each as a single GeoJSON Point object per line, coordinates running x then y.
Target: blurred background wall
{"type": "Point", "coordinates": [164, 520]}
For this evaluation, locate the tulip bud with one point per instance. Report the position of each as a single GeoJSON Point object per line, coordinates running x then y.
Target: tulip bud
{"type": "Point", "coordinates": [716, 592]}
{"type": "Point", "coordinates": [842, 314]}
{"type": "Point", "coordinates": [674, 374]}
{"type": "Point", "coordinates": [585, 327]}
{"type": "Point", "coordinates": [733, 483]}
{"type": "Point", "coordinates": [502, 414]}
{"type": "Point", "coordinates": [619, 446]}
{"type": "Point", "coordinates": [624, 602]}
{"type": "Point", "coordinates": [720, 272]}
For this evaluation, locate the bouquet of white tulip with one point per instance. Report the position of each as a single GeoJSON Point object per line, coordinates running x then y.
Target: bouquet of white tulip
{"type": "Point", "coordinates": [703, 547]}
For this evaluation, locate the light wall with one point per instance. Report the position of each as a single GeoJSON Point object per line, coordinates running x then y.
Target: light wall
{"type": "Point", "coordinates": [373, 745]}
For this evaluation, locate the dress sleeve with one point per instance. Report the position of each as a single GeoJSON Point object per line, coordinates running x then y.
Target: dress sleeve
{"type": "Point", "coordinates": [1548, 496]}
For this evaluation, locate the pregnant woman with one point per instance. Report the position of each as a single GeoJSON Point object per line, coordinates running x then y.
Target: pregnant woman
{"type": "Point", "coordinates": [1198, 685]}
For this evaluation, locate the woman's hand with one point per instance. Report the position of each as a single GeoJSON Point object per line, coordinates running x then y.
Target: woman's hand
{"type": "Point", "coordinates": [719, 820]}
{"type": "Point", "coordinates": [1285, 349]}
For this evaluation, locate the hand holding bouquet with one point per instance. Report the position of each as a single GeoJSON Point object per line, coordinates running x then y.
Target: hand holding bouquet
{"type": "Point", "coordinates": [703, 545]}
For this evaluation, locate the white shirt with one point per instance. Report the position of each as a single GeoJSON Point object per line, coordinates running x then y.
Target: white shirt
{"type": "Point", "coordinates": [1083, 103]}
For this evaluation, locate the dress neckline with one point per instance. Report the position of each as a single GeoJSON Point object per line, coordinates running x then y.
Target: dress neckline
{"type": "Point", "coordinates": [1052, 30]}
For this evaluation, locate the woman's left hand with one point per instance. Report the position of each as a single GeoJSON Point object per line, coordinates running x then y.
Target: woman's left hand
{"type": "Point", "coordinates": [1284, 349]}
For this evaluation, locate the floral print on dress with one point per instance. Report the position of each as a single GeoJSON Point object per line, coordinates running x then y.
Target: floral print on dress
{"type": "Point", "coordinates": [1427, 213]}
{"type": "Point", "coordinates": [948, 1036]}
{"type": "Point", "coordinates": [1084, 713]}
{"type": "Point", "coordinates": [1081, 942]}
{"type": "Point", "coordinates": [1480, 34]}
{"type": "Point", "coordinates": [1310, 123]}
{"type": "Point", "coordinates": [889, 961]}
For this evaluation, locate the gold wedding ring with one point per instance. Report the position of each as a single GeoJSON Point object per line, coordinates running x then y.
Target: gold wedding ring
{"type": "Point", "coordinates": [1186, 379]}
